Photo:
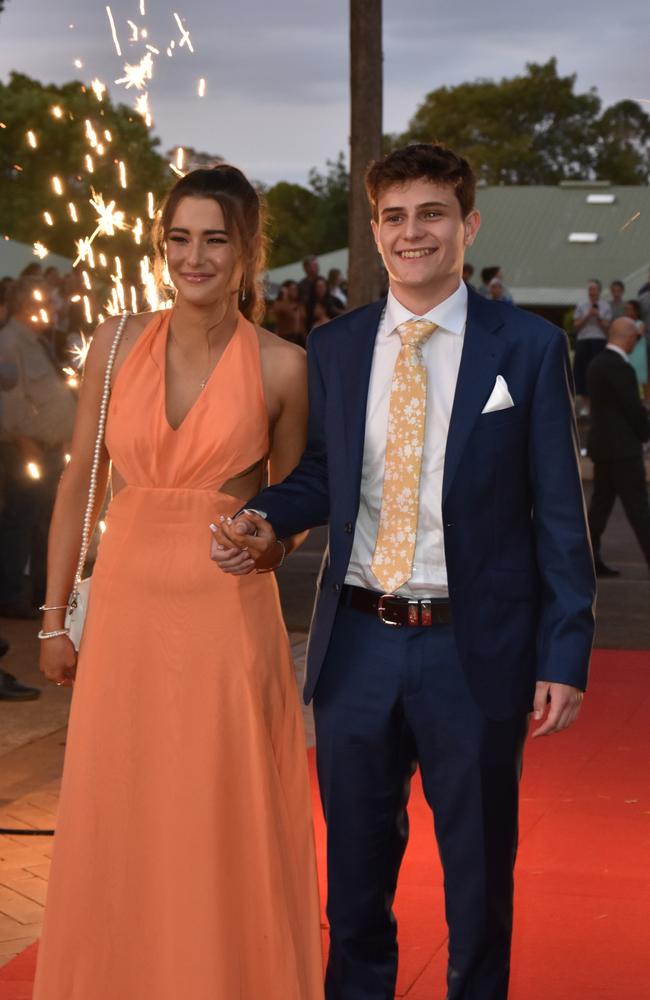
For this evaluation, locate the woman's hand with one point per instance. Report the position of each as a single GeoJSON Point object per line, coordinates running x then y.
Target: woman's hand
{"type": "Point", "coordinates": [248, 543]}
{"type": "Point", "coordinates": [58, 660]}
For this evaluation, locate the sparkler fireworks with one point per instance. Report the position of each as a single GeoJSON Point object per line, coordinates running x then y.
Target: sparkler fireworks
{"type": "Point", "coordinates": [111, 219]}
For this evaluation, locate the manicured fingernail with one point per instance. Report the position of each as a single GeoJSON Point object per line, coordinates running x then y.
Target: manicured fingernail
{"type": "Point", "coordinates": [213, 527]}
{"type": "Point", "coordinates": [229, 520]}
{"type": "Point", "coordinates": [222, 518]}
{"type": "Point", "coordinates": [221, 548]}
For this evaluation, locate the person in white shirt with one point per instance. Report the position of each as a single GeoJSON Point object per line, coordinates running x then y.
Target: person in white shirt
{"type": "Point", "coordinates": [591, 321]}
{"type": "Point", "coordinates": [456, 593]}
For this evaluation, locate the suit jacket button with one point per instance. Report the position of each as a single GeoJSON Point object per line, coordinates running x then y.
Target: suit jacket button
{"type": "Point", "coordinates": [348, 527]}
{"type": "Point", "coordinates": [336, 587]}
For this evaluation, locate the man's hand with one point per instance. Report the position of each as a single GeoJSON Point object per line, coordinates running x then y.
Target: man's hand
{"type": "Point", "coordinates": [247, 543]}
{"type": "Point", "coordinates": [563, 703]}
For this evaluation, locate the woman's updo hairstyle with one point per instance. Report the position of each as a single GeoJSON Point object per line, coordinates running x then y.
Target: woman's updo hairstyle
{"type": "Point", "coordinates": [244, 217]}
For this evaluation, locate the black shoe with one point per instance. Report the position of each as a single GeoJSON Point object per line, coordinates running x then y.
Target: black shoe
{"type": "Point", "coordinates": [605, 571]}
{"type": "Point", "coordinates": [18, 610]}
{"type": "Point", "coordinates": [4, 647]}
{"type": "Point", "coordinates": [13, 690]}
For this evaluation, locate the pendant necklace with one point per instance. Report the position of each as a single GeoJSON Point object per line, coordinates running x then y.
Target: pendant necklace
{"type": "Point", "coordinates": [204, 381]}
{"type": "Point", "coordinates": [206, 378]}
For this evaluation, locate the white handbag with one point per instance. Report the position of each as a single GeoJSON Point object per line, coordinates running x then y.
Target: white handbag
{"type": "Point", "coordinates": [75, 615]}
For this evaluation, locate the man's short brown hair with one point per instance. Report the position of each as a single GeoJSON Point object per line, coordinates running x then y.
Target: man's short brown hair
{"type": "Point", "coordinates": [427, 160]}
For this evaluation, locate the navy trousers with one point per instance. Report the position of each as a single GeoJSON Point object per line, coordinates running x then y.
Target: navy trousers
{"type": "Point", "coordinates": [389, 699]}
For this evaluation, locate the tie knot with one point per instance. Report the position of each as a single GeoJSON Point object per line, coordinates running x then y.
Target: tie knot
{"type": "Point", "coordinates": [415, 332]}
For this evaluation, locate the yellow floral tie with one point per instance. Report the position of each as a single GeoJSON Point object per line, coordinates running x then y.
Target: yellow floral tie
{"type": "Point", "coordinates": [392, 562]}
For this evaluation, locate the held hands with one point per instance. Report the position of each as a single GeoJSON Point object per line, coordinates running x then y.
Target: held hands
{"type": "Point", "coordinates": [562, 702]}
{"type": "Point", "coordinates": [245, 544]}
{"type": "Point", "coordinates": [58, 662]}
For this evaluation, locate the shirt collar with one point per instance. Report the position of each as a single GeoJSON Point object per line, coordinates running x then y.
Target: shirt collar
{"type": "Point", "coordinates": [619, 350]}
{"type": "Point", "coordinates": [449, 315]}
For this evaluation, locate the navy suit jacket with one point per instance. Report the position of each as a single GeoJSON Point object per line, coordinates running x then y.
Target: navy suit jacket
{"type": "Point", "coordinates": [519, 563]}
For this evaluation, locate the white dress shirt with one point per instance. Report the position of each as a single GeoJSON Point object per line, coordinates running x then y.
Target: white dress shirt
{"type": "Point", "coordinates": [441, 354]}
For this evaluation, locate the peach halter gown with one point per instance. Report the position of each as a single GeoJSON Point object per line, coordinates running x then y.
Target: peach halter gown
{"type": "Point", "coordinates": [184, 861]}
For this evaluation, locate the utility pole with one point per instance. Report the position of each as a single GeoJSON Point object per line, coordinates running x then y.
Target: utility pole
{"type": "Point", "coordinates": [365, 144]}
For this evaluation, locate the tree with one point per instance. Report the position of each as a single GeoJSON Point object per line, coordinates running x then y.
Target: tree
{"type": "Point", "coordinates": [623, 144]}
{"type": "Point", "coordinates": [332, 188]}
{"type": "Point", "coordinates": [534, 129]}
{"type": "Point", "coordinates": [365, 143]}
{"type": "Point", "coordinates": [49, 131]}
{"type": "Point", "coordinates": [308, 220]}
{"type": "Point", "coordinates": [292, 209]}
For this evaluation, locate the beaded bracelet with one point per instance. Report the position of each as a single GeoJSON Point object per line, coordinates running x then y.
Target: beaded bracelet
{"type": "Point", "coordinates": [54, 633]}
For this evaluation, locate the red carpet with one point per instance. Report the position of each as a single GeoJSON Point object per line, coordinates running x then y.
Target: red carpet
{"type": "Point", "coordinates": [583, 874]}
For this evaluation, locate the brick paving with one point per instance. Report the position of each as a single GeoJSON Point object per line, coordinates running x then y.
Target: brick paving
{"type": "Point", "coordinates": [24, 870]}
{"type": "Point", "coordinates": [25, 860]}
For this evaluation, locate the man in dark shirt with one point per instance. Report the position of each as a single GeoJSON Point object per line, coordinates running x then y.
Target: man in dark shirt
{"type": "Point", "coordinates": [306, 286]}
{"type": "Point", "coordinates": [619, 426]}
{"type": "Point", "coordinates": [10, 688]}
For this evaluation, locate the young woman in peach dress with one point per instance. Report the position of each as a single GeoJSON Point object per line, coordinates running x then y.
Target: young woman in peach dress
{"type": "Point", "coordinates": [184, 860]}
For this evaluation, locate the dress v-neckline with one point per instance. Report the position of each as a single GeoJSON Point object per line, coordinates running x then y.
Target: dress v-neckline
{"type": "Point", "coordinates": [206, 385]}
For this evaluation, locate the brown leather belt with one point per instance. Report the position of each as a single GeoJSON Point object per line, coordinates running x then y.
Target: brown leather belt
{"type": "Point", "coordinates": [396, 611]}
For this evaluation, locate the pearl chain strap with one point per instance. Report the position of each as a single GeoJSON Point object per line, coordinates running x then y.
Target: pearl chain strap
{"type": "Point", "coordinates": [92, 488]}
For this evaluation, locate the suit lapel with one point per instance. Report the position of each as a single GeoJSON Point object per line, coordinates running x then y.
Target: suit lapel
{"type": "Point", "coordinates": [355, 362]}
{"type": "Point", "coordinates": [479, 367]}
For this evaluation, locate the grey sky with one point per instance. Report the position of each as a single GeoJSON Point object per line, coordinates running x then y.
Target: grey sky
{"type": "Point", "coordinates": [277, 70]}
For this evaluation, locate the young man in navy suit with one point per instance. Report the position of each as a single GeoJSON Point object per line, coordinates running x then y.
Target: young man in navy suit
{"type": "Point", "coordinates": [488, 609]}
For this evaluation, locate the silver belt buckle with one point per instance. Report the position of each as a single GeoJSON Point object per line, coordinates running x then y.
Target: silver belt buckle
{"type": "Point", "coordinates": [381, 609]}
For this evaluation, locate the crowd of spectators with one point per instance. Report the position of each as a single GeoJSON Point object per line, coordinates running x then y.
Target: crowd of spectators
{"type": "Point", "coordinates": [492, 284]}
{"type": "Point", "coordinates": [302, 305]}
{"type": "Point", "coordinates": [592, 319]}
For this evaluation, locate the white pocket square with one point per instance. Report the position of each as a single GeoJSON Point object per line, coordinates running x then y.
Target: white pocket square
{"type": "Point", "coordinates": [500, 398]}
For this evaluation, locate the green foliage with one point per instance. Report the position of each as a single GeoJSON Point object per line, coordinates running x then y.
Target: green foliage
{"type": "Point", "coordinates": [534, 129]}
{"type": "Point", "coordinates": [623, 144]}
{"type": "Point", "coordinates": [306, 220]}
{"type": "Point", "coordinates": [333, 191]}
{"type": "Point", "coordinates": [26, 173]}
{"type": "Point", "coordinates": [291, 211]}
